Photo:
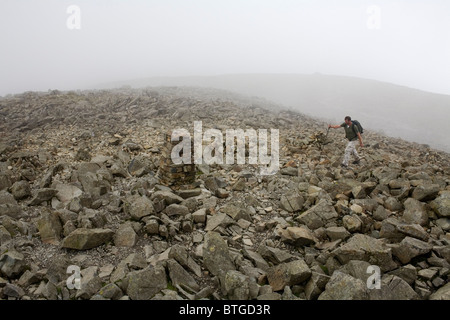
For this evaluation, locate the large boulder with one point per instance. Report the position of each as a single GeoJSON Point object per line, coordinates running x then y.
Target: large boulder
{"type": "Point", "coordinates": [410, 248]}
{"type": "Point", "coordinates": [415, 212]}
{"type": "Point", "coordinates": [50, 228]}
{"type": "Point", "coordinates": [393, 288]}
{"type": "Point", "coordinates": [366, 248]}
{"type": "Point", "coordinates": [291, 202]}
{"type": "Point", "coordinates": [426, 192]}
{"type": "Point", "coordinates": [138, 207]}
{"type": "Point", "coordinates": [12, 264]}
{"type": "Point", "coordinates": [216, 257]}
{"type": "Point", "coordinates": [288, 274]}
{"type": "Point", "coordinates": [83, 239]}
{"type": "Point", "coordinates": [180, 277]}
{"type": "Point", "coordinates": [441, 205]}
{"type": "Point", "coordinates": [318, 215]}
{"type": "Point", "coordinates": [342, 286]}
{"type": "Point", "coordinates": [145, 284]}
{"type": "Point", "coordinates": [442, 293]}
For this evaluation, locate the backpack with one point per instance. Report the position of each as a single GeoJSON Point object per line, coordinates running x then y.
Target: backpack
{"type": "Point", "coordinates": [360, 128]}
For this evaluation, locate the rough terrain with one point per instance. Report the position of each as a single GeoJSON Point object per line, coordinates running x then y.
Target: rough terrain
{"type": "Point", "coordinates": [79, 186]}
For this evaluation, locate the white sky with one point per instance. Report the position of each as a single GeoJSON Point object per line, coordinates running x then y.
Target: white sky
{"type": "Point", "coordinates": [129, 39]}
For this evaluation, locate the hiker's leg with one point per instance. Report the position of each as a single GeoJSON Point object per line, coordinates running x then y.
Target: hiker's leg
{"type": "Point", "coordinates": [355, 153]}
{"type": "Point", "coordinates": [348, 152]}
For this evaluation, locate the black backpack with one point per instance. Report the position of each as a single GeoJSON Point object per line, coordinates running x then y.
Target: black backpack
{"type": "Point", "coordinates": [360, 128]}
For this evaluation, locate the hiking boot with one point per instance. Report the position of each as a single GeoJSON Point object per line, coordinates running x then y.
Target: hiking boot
{"type": "Point", "coordinates": [356, 161]}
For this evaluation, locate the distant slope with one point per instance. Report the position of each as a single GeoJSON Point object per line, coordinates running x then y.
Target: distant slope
{"type": "Point", "coordinates": [395, 110]}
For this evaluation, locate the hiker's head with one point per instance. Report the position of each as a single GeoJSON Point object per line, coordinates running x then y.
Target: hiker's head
{"type": "Point", "coordinates": [348, 120]}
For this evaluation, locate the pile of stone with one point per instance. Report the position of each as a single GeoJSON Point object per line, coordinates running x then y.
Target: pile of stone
{"type": "Point", "coordinates": [171, 174]}
{"type": "Point", "coordinates": [85, 199]}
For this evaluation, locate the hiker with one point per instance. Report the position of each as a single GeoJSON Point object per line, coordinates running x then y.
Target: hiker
{"type": "Point", "coordinates": [352, 134]}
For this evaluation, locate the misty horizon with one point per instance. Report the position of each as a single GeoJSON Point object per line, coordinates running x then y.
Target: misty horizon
{"type": "Point", "coordinates": [72, 45]}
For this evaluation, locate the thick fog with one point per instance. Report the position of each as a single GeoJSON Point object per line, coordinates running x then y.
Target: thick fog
{"type": "Point", "coordinates": [63, 45]}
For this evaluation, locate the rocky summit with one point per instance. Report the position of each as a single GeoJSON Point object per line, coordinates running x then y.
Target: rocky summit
{"type": "Point", "coordinates": [91, 207]}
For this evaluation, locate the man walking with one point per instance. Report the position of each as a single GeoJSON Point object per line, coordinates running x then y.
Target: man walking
{"type": "Point", "coordinates": [353, 135]}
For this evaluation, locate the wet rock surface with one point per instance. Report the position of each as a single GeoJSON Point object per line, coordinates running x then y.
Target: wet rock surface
{"type": "Point", "coordinates": [80, 186]}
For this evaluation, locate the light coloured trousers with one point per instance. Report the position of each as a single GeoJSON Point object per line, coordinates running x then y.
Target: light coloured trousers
{"type": "Point", "coordinates": [349, 150]}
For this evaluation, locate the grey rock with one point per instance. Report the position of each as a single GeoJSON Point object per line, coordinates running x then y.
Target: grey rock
{"type": "Point", "coordinates": [426, 192]}
{"type": "Point", "coordinates": [180, 277]}
{"type": "Point", "coordinates": [21, 190]}
{"type": "Point", "coordinates": [189, 193]}
{"type": "Point", "coordinates": [289, 171]}
{"type": "Point", "coordinates": [5, 236]}
{"type": "Point", "coordinates": [366, 248]}
{"type": "Point", "coordinates": [50, 228]}
{"type": "Point", "coordinates": [292, 202]}
{"type": "Point", "coordinates": [216, 257]}
{"type": "Point", "coordinates": [166, 196]}
{"type": "Point", "coordinates": [138, 207]}
{"type": "Point", "coordinates": [125, 236]}
{"type": "Point", "coordinates": [318, 215]}
{"type": "Point", "coordinates": [357, 269]}
{"type": "Point", "coordinates": [180, 254]}
{"type": "Point", "coordinates": [342, 286]}
{"type": "Point", "coordinates": [111, 291]}
{"type": "Point", "coordinates": [396, 231]}
{"type": "Point", "coordinates": [288, 274]}
{"type": "Point", "coordinates": [145, 284]}
{"type": "Point", "coordinates": [256, 258]}
{"type": "Point", "coordinates": [298, 236]}
{"type": "Point", "coordinates": [42, 195]}
{"type": "Point", "coordinates": [380, 214]}
{"type": "Point", "coordinates": [140, 166]}
{"type": "Point", "coordinates": [90, 283]}
{"type": "Point", "coordinates": [352, 223]}
{"type": "Point", "coordinates": [276, 296]}
{"type": "Point", "coordinates": [57, 270]}
{"type": "Point", "coordinates": [337, 233]}
{"type": "Point", "coordinates": [5, 181]}
{"type": "Point", "coordinates": [415, 212]}
{"type": "Point", "coordinates": [29, 277]}
{"type": "Point", "coordinates": [12, 264]}
{"type": "Point", "coordinates": [274, 255]}
{"type": "Point", "coordinates": [66, 192]}
{"type": "Point", "coordinates": [444, 223]}
{"type": "Point", "coordinates": [199, 216]}
{"type": "Point", "coordinates": [393, 288]}
{"type": "Point", "coordinates": [441, 205]}
{"type": "Point", "coordinates": [316, 283]}
{"type": "Point", "coordinates": [220, 219]}
{"type": "Point", "coordinates": [11, 290]}
{"type": "Point", "coordinates": [407, 273]}
{"type": "Point", "coordinates": [83, 239]}
{"type": "Point", "coordinates": [392, 204]}
{"type": "Point", "coordinates": [442, 293]}
{"type": "Point", "coordinates": [236, 212]}
{"type": "Point", "coordinates": [8, 205]}
{"type": "Point", "coordinates": [176, 210]}
{"type": "Point", "coordinates": [410, 248]}
{"type": "Point", "coordinates": [236, 286]}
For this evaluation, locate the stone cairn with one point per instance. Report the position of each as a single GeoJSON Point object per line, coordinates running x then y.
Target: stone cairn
{"type": "Point", "coordinates": [171, 174]}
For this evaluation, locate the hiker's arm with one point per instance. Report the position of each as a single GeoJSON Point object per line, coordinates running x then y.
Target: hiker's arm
{"type": "Point", "coordinates": [360, 140]}
{"type": "Point", "coordinates": [334, 127]}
